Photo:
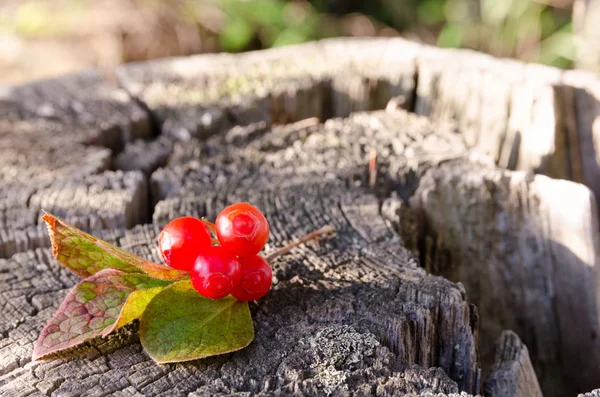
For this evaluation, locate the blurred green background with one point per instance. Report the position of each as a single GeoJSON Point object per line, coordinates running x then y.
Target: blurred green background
{"type": "Point", "coordinates": [40, 38]}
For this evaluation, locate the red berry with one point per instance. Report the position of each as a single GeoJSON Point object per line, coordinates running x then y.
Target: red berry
{"type": "Point", "coordinates": [182, 240]}
{"type": "Point", "coordinates": [256, 279]}
{"type": "Point", "coordinates": [242, 229]}
{"type": "Point", "coordinates": [216, 272]}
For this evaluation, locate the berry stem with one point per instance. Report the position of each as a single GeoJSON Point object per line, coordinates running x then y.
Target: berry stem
{"type": "Point", "coordinates": [310, 236]}
{"type": "Point", "coordinates": [211, 226]}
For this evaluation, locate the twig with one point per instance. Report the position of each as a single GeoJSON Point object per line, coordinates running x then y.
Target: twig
{"type": "Point", "coordinates": [372, 167]}
{"type": "Point", "coordinates": [309, 122]}
{"type": "Point", "coordinates": [310, 236]}
{"type": "Point", "coordinates": [211, 226]}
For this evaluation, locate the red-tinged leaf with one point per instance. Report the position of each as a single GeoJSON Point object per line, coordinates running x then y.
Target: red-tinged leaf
{"type": "Point", "coordinates": [181, 325]}
{"type": "Point", "coordinates": [85, 255]}
{"type": "Point", "coordinates": [91, 309]}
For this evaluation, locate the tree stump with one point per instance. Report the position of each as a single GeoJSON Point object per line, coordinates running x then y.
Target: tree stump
{"type": "Point", "coordinates": [512, 373]}
{"type": "Point", "coordinates": [438, 249]}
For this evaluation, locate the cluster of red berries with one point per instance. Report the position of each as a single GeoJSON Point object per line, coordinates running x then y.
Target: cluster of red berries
{"type": "Point", "coordinates": [232, 267]}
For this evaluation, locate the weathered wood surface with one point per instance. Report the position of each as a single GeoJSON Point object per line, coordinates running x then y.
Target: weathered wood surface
{"type": "Point", "coordinates": [98, 201]}
{"type": "Point", "coordinates": [585, 17]}
{"type": "Point", "coordinates": [508, 236]}
{"type": "Point", "coordinates": [56, 138]}
{"type": "Point", "coordinates": [145, 156]}
{"type": "Point", "coordinates": [512, 374]}
{"type": "Point", "coordinates": [405, 146]}
{"type": "Point", "coordinates": [580, 115]}
{"type": "Point", "coordinates": [528, 117]}
{"type": "Point", "coordinates": [200, 95]}
{"type": "Point", "coordinates": [350, 312]}
{"type": "Point", "coordinates": [526, 248]}
{"type": "Point", "coordinates": [359, 292]}
{"type": "Point", "coordinates": [102, 115]}
{"type": "Point", "coordinates": [339, 296]}
{"type": "Point", "coordinates": [593, 393]}
{"type": "Point", "coordinates": [42, 150]}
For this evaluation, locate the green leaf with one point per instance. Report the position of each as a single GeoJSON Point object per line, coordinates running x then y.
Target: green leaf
{"type": "Point", "coordinates": [290, 36]}
{"type": "Point", "coordinates": [135, 305]}
{"type": "Point", "coordinates": [452, 35]}
{"type": "Point", "coordinates": [431, 11]}
{"type": "Point", "coordinates": [236, 35]}
{"type": "Point", "coordinates": [85, 255]}
{"type": "Point", "coordinates": [91, 309]}
{"type": "Point", "coordinates": [181, 325]}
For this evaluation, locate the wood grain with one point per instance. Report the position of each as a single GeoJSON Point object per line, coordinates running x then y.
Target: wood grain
{"type": "Point", "coordinates": [410, 194]}
{"type": "Point", "coordinates": [57, 140]}
{"type": "Point", "coordinates": [512, 374]}
{"type": "Point", "coordinates": [526, 249]}
{"type": "Point", "coordinates": [353, 311]}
